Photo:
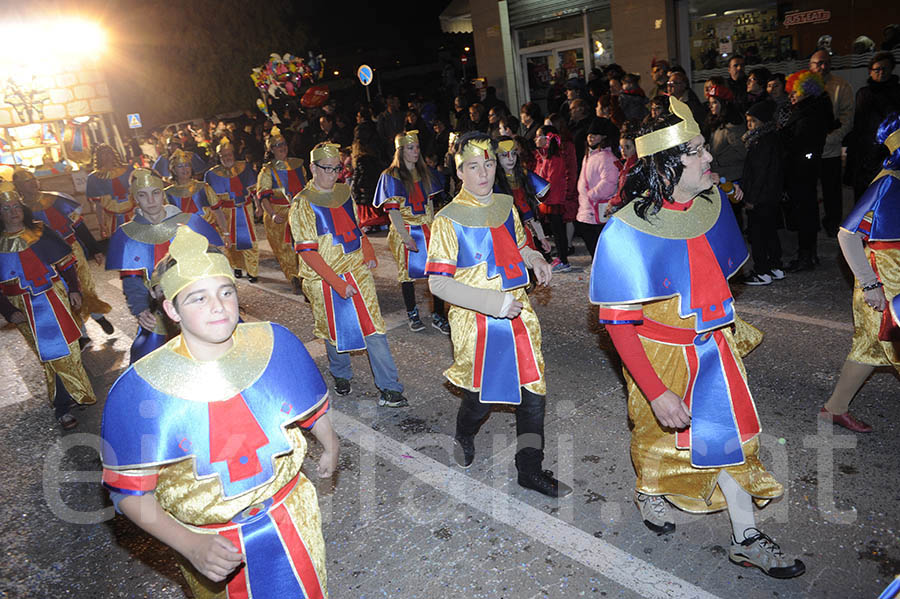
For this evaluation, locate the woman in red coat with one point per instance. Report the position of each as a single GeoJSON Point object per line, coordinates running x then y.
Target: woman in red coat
{"type": "Point", "coordinates": [551, 166]}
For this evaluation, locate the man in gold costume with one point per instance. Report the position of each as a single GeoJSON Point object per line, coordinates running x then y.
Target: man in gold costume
{"type": "Point", "coordinates": [660, 276]}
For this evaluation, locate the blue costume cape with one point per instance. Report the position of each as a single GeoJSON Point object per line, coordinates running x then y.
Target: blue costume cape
{"type": "Point", "coordinates": [239, 190]}
{"type": "Point", "coordinates": [390, 187]}
{"type": "Point", "coordinates": [161, 165]}
{"type": "Point", "coordinates": [882, 198]}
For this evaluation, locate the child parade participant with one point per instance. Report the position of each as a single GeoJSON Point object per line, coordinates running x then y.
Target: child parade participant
{"type": "Point", "coordinates": [138, 245]}
{"type": "Point", "coordinates": [62, 213]}
{"type": "Point", "coordinates": [660, 275]}
{"type": "Point", "coordinates": [191, 195]}
{"type": "Point", "coordinates": [235, 184]}
{"type": "Point", "coordinates": [525, 187]}
{"type": "Point", "coordinates": [405, 191]}
{"type": "Point", "coordinates": [203, 443]}
{"type": "Point", "coordinates": [39, 294]}
{"type": "Point", "coordinates": [478, 262]}
{"type": "Point", "coordinates": [279, 181]}
{"type": "Point", "coordinates": [335, 265]}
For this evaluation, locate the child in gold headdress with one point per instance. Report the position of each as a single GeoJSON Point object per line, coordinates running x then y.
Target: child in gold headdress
{"type": "Point", "coordinates": [336, 259]}
{"type": "Point", "coordinates": [39, 293]}
{"type": "Point", "coordinates": [107, 189]}
{"type": "Point", "coordinates": [478, 262]}
{"type": "Point", "coordinates": [137, 246]}
{"type": "Point", "coordinates": [203, 440]}
{"type": "Point", "coordinates": [660, 276]}
{"type": "Point", "coordinates": [191, 195]}
{"type": "Point", "coordinates": [405, 191]}
{"type": "Point", "coordinates": [281, 179]}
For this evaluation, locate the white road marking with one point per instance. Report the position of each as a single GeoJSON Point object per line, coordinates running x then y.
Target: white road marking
{"type": "Point", "coordinates": [607, 560]}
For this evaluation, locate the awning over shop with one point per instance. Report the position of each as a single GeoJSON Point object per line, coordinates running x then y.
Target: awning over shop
{"type": "Point", "coordinates": [457, 17]}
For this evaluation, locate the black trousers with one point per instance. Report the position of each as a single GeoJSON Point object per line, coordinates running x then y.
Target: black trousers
{"type": "Point", "coordinates": [409, 298]}
{"type": "Point", "coordinates": [529, 426]}
{"type": "Point", "coordinates": [832, 194]}
{"type": "Point", "coordinates": [590, 234]}
{"type": "Point", "coordinates": [558, 229]}
{"type": "Point", "coordinates": [62, 401]}
{"type": "Point", "coordinates": [801, 187]}
{"type": "Point", "coordinates": [764, 243]}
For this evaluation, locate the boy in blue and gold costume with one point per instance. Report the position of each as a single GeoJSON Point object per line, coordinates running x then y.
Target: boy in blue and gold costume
{"type": "Point", "coordinates": [39, 293]}
{"type": "Point", "coordinates": [405, 191]}
{"type": "Point", "coordinates": [279, 181]}
{"type": "Point", "coordinates": [478, 262]}
{"type": "Point", "coordinates": [660, 276]}
{"type": "Point", "coordinates": [203, 439]}
{"type": "Point", "coordinates": [107, 189]}
{"type": "Point", "coordinates": [62, 213]}
{"type": "Point", "coordinates": [335, 264]}
{"type": "Point", "coordinates": [136, 248]}
{"type": "Point", "coordinates": [235, 184]}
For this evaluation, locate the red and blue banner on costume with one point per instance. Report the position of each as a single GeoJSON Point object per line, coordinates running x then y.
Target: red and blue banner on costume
{"type": "Point", "coordinates": [495, 246]}
{"type": "Point", "coordinates": [190, 204]}
{"type": "Point", "coordinates": [349, 321]}
{"type": "Point", "coordinates": [882, 199]}
{"type": "Point", "coordinates": [161, 165]}
{"type": "Point", "coordinates": [504, 359]}
{"type": "Point", "coordinates": [417, 261]}
{"type": "Point", "coordinates": [340, 223]}
{"type": "Point", "coordinates": [239, 189]}
{"type": "Point", "coordinates": [117, 189]}
{"type": "Point", "coordinates": [292, 181]}
{"type": "Point", "coordinates": [31, 273]}
{"type": "Point", "coordinates": [633, 267]}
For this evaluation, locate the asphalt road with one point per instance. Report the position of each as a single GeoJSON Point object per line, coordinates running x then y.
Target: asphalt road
{"type": "Point", "coordinates": [401, 520]}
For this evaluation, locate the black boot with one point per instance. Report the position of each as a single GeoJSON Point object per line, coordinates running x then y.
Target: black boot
{"type": "Point", "coordinates": [803, 262]}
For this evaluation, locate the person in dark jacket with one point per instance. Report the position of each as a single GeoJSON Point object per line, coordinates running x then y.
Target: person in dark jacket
{"type": "Point", "coordinates": [803, 136]}
{"type": "Point", "coordinates": [874, 102]}
{"type": "Point", "coordinates": [763, 181]}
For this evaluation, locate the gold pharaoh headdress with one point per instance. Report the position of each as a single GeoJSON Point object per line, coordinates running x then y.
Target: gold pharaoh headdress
{"type": "Point", "coordinates": [192, 262]}
{"type": "Point", "coordinates": [325, 150]}
{"type": "Point", "coordinates": [406, 138]}
{"type": "Point", "coordinates": [224, 143]}
{"type": "Point", "coordinates": [274, 136]}
{"type": "Point", "coordinates": [475, 148]}
{"type": "Point", "coordinates": [505, 146]}
{"type": "Point", "coordinates": [8, 193]}
{"type": "Point", "coordinates": [141, 178]}
{"type": "Point", "coordinates": [671, 136]}
{"type": "Point", "coordinates": [893, 141]}
{"type": "Point", "coordinates": [179, 157]}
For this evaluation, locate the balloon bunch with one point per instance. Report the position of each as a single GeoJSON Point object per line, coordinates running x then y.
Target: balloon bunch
{"type": "Point", "coordinates": [285, 75]}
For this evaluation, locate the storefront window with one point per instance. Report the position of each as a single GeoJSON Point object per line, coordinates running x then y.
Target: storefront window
{"type": "Point", "coordinates": [552, 31]}
{"type": "Point", "coordinates": [600, 26]}
{"type": "Point", "coordinates": [751, 32]}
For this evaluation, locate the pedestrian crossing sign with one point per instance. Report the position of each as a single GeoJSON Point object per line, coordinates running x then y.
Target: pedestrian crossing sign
{"type": "Point", "coordinates": [134, 121]}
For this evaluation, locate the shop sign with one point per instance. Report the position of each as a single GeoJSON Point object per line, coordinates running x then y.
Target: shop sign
{"type": "Point", "coordinates": [807, 17]}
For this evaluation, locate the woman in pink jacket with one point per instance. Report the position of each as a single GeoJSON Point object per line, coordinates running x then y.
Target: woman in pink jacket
{"type": "Point", "coordinates": [597, 183]}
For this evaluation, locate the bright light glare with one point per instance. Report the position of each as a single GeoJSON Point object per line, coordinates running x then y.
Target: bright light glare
{"type": "Point", "coordinates": [37, 44]}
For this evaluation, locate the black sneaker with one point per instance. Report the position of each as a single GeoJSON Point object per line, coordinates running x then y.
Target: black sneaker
{"type": "Point", "coordinates": [341, 386]}
{"type": "Point", "coordinates": [238, 273]}
{"type": "Point", "coordinates": [543, 482]}
{"type": "Point", "coordinates": [440, 323]}
{"type": "Point", "coordinates": [83, 342]}
{"type": "Point", "coordinates": [105, 325]}
{"type": "Point", "coordinates": [253, 279]}
{"type": "Point", "coordinates": [392, 399]}
{"type": "Point", "coordinates": [415, 323]}
{"type": "Point", "coordinates": [758, 279]}
{"type": "Point", "coordinates": [464, 451]}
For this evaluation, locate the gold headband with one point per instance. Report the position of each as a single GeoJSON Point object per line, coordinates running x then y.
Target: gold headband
{"type": "Point", "coordinates": [225, 143]}
{"type": "Point", "coordinates": [893, 141]}
{"type": "Point", "coordinates": [406, 138]}
{"type": "Point", "coordinates": [192, 262]}
{"type": "Point", "coordinates": [506, 146]}
{"type": "Point", "coordinates": [325, 151]}
{"type": "Point", "coordinates": [141, 178]}
{"type": "Point", "coordinates": [179, 157]}
{"type": "Point", "coordinates": [474, 149]}
{"type": "Point", "coordinates": [8, 193]}
{"type": "Point", "coordinates": [671, 136]}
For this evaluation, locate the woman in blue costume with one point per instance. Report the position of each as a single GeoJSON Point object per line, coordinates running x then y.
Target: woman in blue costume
{"type": "Point", "coordinates": [138, 245]}
{"type": "Point", "coordinates": [203, 440]}
{"type": "Point", "coordinates": [107, 189]}
{"type": "Point", "coordinates": [660, 276]}
{"type": "Point", "coordinates": [39, 294]}
{"type": "Point", "coordinates": [405, 191]}
{"type": "Point", "coordinates": [870, 242]}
